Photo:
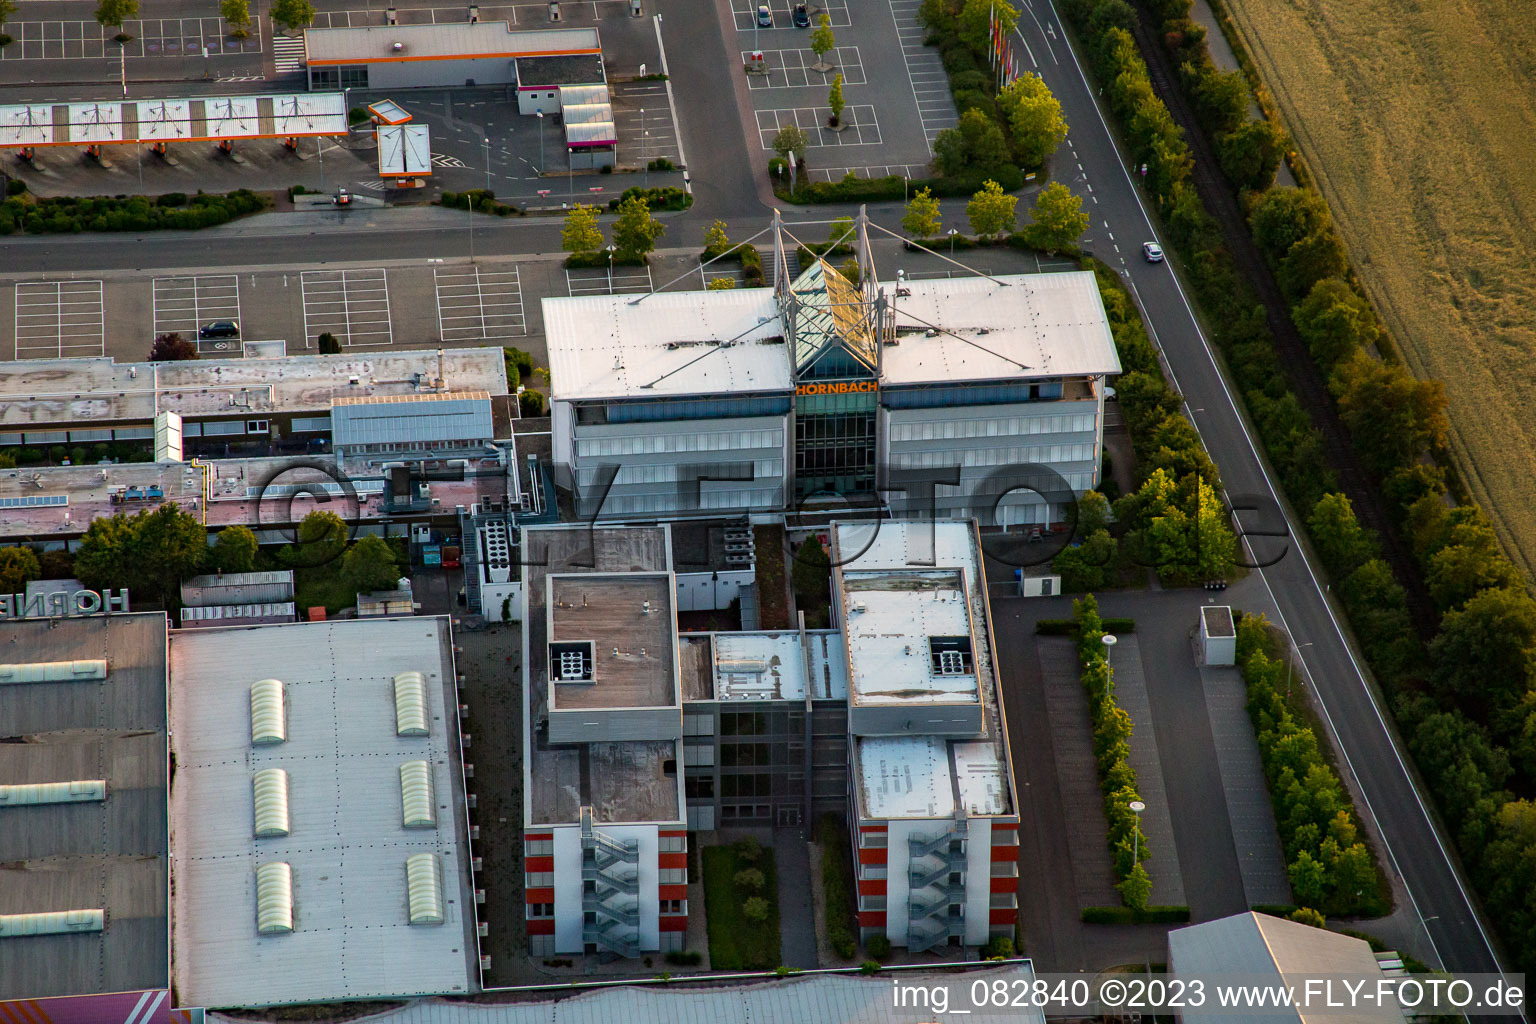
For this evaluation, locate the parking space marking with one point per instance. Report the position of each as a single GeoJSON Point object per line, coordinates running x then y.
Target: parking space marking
{"type": "Point", "coordinates": [152, 37]}
{"type": "Point", "coordinates": [744, 12]}
{"type": "Point", "coordinates": [869, 171]}
{"type": "Point", "coordinates": [602, 281]}
{"type": "Point", "coordinates": [475, 305]}
{"type": "Point", "coordinates": [925, 70]}
{"type": "Point", "coordinates": [791, 69]}
{"type": "Point", "coordinates": [448, 15]}
{"type": "Point", "coordinates": [643, 117]}
{"type": "Point", "coordinates": [351, 304]}
{"type": "Point", "coordinates": [59, 319]}
{"type": "Point", "coordinates": [862, 127]}
{"type": "Point", "coordinates": [183, 304]}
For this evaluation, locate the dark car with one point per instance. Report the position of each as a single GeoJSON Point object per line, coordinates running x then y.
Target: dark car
{"type": "Point", "coordinates": [802, 16]}
{"type": "Point", "coordinates": [220, 329]}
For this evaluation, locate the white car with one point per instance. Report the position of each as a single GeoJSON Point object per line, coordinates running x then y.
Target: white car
{"type": "Point", "coordinates": [1152, 251]}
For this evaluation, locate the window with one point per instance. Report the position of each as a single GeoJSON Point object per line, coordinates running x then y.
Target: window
{"type": "Point", "coordinates": [540, 879]}
{"type": "Point", "coordinates": [257, 427]}
{"type": "Point", "coordinates": [672, 844]}
{"type": "Point", "coordinates": [539, 847]}
{"type": "Point", "coordinates": [674, 906]}
{"type": "Point", "coordinates": [699, 787]}
{"type": "Point", "coordinates": [323, 78]}
{"type": "Point", "coordinates": [354, 76]}
{"type": "Point", "coordinates": [541, 910]}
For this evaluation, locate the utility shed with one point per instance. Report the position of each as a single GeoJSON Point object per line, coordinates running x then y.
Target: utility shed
{"type": "Point", "coordinates": [236, 588]}
{"type": "Point", "coordinates": [1218, 635]}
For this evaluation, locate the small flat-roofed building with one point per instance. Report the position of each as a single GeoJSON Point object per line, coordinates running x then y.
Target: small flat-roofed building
{"type": "Point", "coordinates": [465, 53]}
{"type": "Point", "coordinates": [934, 815]}
{"type": "Point", "coordinates": [604, 825]}
{"type": "Point", "coordinates": [237, 588]}
{"type": "Point", "coordinates": [539, 79]}
{"type": "Point", "coordinates": [342, 921]}
{"type": "Point", "coordinates": [83, 832]}
{"type": "Point", "coordinates": [443, 423]}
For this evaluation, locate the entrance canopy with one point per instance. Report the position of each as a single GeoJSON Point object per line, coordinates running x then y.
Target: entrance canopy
{"type": "Point", "coordinates": [205, 119]}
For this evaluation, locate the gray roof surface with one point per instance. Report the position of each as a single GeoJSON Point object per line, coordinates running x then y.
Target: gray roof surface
{"type": "Point", "coordinates": [820, 999]}
{"type": "Point", "coordinates": [391, 419]}
{"type": "Point", "coordinates": [565, 69]}
{"type": "Point", "coordinates": [456, 39]}
{"type": "Point", "coordinates": [109, 855]}
{"type": "Point", "coordinates": [238, 588]}
{"type": "Point", "coordinates": [347, 844]}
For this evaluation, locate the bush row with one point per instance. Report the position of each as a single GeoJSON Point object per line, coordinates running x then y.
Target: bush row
{"type": "Point", "coordinates": [667, 198]}
{"type": "Point", "coordinates": [862, 190]}
{"type": "Point", "coordinates": [837, 885]}
{"type": "Point", "coordinates": [1331, 870]}
{"type": "Point", "coordinates": [751, 262]}
{"type": "Point", "coordinates": [66, 214]}
{"type": "Point", "coordinates": [480, 200]}
{"type": "Point", "coordinates": [1112, 752]}
{"type": "Point", "coordinates": [1468, 704]}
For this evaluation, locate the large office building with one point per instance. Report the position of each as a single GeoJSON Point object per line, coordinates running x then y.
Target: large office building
{"type": "Point", "coordinates": [84, 928]}
{"type": "Point", "coordinates": [947, 397]}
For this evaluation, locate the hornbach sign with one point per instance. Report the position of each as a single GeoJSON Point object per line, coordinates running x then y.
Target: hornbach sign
{"type": "Point", "coordinates": [62, 604]}
{"type": "Point", "coordinates": [838, 387]}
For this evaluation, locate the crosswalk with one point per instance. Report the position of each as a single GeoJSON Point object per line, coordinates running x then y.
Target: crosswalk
{"type": "Point", "coordinates": [287, 54]}
{"type": "Point", "coordinates": [930, 85]}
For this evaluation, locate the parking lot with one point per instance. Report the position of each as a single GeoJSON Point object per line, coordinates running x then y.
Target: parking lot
{"type": "Point", "coordinates": [152, 37]}
{"type": "Point", "coordinates": [789, 69]}
{"type": "Point", "coordinates": [744, 12]}
{"type": "Point", "coordinates": [605, 281]}
{"type": "Point", "coordinates": [56, 319]}
{"type": "Point", "coordinates": [925, 71]}
{"type": "Point", "coordinates": [475, 304]}
{"type": "Point", "coordinates": [183, 304]}
{"type": "Point", "coordinates": [859, 126]}
{"type": "Point", "coordinates": [353, 305]}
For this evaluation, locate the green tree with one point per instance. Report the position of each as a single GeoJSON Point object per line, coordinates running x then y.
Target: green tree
{"type": "Point", "coordinates": [1251, 155]}
{"type": "Point", "coordinates": [102, 561]}
{"type": "Point", "coordinates": [369, 565]}
{"type": "Point", "coordinates": [1485, 653]}
{"type": "Point", "coordinates": [7, 10]}
{"type": "Point", "coordinates": [1509, 873]}
{"type": "Point", "coordinates": [169, 348]}
{"type": "Point", "coordinates": [292, 14]}
{"type": "Point", "coordinates": [327, 344]}
{"type": "Point", "coordinates": [1309, 879]}
{"type": "Point", "coordinates": [1221, 97]}
{"type": "Point", "coordinates": [57, 565]}
{"type": "Point", "coordinates": [1470, 561]}
{"type": "Point", "coordinates": [17, 566]}
{"type": "Point", "coordinates": [1391, 417]}
{"type": "Point", "coordinates": [1057, 220]}
{"type": "Point", "coordinates": [1284, 216]}
{"type": "Point", "coordinates": [716, 241]}
{"type": "Point", "coordinates": [842, 231]}
{"type": "Point", "coordinates": [1335, 320]}
{"type": "Point", "coordinates": [234, 550]}
{"type": "Point", "coordinates": [990, 211]}
{"type": "Point", "coordinates": [1089, 565]}
{"type": "Point", "coordinates": [636, 231]}
{"type": "Point", "coordinates": [976, 141]}
{"type": "Point", "coordinates": [236, 14]}
{"type": "Point", "coordinates": [530, 404]}
{"type": "Point", "coordinates": [975, 21]}
{"type": "Point", "coordinates": [1092, 514]}
{"type": "Point", "coordinates": [755, 909]}
{"type": "Point", "coordinates": [1308, 916]}
{"type": "Point", "coordinates": [721, 284]}
{"type": "Point", "coordinates": [750, 879]}
{"type": "Point", "coordinates": [1136, 889]}
{"type": "Point", "coordinates": [810, 575]}
{"type": "Point", "coordinates": [822, 41]}
{"type": "Point", "coordinates": [580, 233]}
{"type": "Point", "coordinates": [1034, 115]}
{"type": "Point", "coordinates": [165, 546]}
{"type": "Point", "coordinates": [788, 142]}
{"type": "Point", "coordinates": [320, 539]}
{"type": "Point", "coordinates": [922, 218]}
{"type": "Point", "coordinates": [835, 97]}
{"type": "Point", "coordinates": [1343, 544]}
{"type": "Point", "coordinates": [112, 13]}
{"type": "Point", "coordinates": [1317, 256]}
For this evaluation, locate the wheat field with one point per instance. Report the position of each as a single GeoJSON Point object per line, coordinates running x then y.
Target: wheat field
{"type": "Point", "coordinates": [1418, 120]}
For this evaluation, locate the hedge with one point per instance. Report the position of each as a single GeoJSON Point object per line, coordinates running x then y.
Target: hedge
{"type": "Point", "coordinates": [836, 885]}
{"type": "Point", "coordinates": [862, 190]}
{"type": "Point", "coordinates": [599, 260]}
{"type": "Point", "coordinates": [66, 214]}
{"type": "Point", "coordinates": [667, 198]}
{"type": "Point", "coordinates": [479, 200]}
{"type": "Point", "coordinates": [1156, 914]}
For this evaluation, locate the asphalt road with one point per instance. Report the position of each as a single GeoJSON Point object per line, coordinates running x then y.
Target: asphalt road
{"type": "Point", "coordinates": [729, 185]}
{"type": "Point", "coordinates": [1416, 850]}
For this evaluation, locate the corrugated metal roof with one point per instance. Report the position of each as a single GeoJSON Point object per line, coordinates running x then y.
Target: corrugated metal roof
{"type": "Point", "coordinates": [401, 419]}
{"type": "Point", "coordinates": [457, 39]}
{"type": "Point", "coordinates": [238, 588]}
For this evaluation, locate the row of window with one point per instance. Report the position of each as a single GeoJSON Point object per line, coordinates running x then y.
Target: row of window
{"type": "Point", "coordinates": [725, 501]}
{"type": "Point", "coordinates": [1044, 454]}
{"type": "Point", "coordinates": [347, 76]}
{"type": "Point", "coordinates": [763, 471]}
{"type": "Point", "coordinates": [651, 442]}
{"type": "Point", "coordinates": [1003, 426]}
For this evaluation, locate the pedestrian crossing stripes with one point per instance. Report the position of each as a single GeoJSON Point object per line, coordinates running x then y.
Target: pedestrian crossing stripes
{"type": "Point", "coordinates": [287, 54]}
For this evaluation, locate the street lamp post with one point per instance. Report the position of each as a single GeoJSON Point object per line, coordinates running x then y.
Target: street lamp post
{"type": "Point", "coordinates": [485, 141]}
{"type": "Point", "coordinates": [1108, 640]}
{"type": "Point", "coordinates": [610, 250]}
{"type": "Point", "coordinates": [1289, 662]}
{"type": "Point", "coordinates": [541, 141]}
{"type": "Point", "coordinates": [952, 233]}
{"type": "Point", "coordinates": [1136, 808]}
{"type": "Point", "coordinates": [471, 205]}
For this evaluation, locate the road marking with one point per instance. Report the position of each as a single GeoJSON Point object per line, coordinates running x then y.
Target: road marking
{"type": "Point", "coordinates": [351, 304]}
{"type": "Point", "coordinates": [603, 281]}
{"type": "Point", "coordinates": [935, 105]}
{"type": "Point", "coordinates": [474, 305]}
{"type": "Point", "coordinates": [287, 54]}
{"type": "Point", "coordinates": [1049, 49]}
{"type": "Point", "coordinates": [862, 127]}
{"type": "Point", "coordinates": [791, 69]}
{"type": "Point", "coordinates": [183, 304]}
{"type": "Point", "coordinates": [59, 319]}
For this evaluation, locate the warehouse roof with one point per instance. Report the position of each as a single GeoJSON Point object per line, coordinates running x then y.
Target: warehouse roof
{"type": "Point", "coordinates": [34, 392]}
{"type": "Point", "coordinates": [108, 855]}
{"type": "Point", "coordinates": [979, 328]}
{"type": "Point", "coordinates": [564, 69]}
{"type": "Point", "coordinates": [763, 666]}
{"type": "Point", "coordinates": [393, 419]}
{"type": "Point", "coordinates": [465, 39]}
{"type": "Point", "coordinates": [238, 588]}
{"type": "Point", "coordinates": [347, 843]}
{"type": "Point", "coordinates": [670, 344]}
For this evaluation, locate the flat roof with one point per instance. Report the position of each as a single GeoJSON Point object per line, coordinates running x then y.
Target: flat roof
{"type": "Point", "coordinates": [890, 616]}
{"type": "Point", "coordinates": [347, 846]}
{"type": "Point", "coordinates": [185, 119]}
{"type": "Point", "coordinates": [108, 855]}
{"type": "Point", "coordinates": [673, 343]}
{"type": "Point", "coordinates": [633, 663]}
{"type": "Point", "coordinates": [1016, 325]}
{"type": "Point", "coordinates": [621, 781]}
{"type": "Point", "coordinates": [238, 588]}
{"type": "Point", "coordinates": [562, 69]}
{"type": "Point", "coordinates": [763, 665]}
{"type": "Point", "coordinates": [905, 776]}
{"type": "Point", "coordinates": [35, 392]}
{"type": "Point", "coordinates": [484, 39]}
{"type": "Point", "coordinates": [435, 416]}
{"type": "Point", "coordinates": [1218, 620]}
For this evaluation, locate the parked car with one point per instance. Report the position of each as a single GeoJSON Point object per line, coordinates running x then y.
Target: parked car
{"type": "Point", "coordinates": [802, 16]}
{"type": "Point", "coordinates": [220, 329]}
{"type": "Point", "coordinates": [764, 16]}
{"type": "Point", "coordinates": [1152, 251]}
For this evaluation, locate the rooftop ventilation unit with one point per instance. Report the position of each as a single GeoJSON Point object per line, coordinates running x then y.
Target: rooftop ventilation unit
{"type": "Point", "coordinates": [55, 922]}
{"type": "Point", "coordinates": [410, 704]}
{"type": "Point", "coordinates": [54, 672]}
{"type": "Point", "coordinates": [269, 715]}
{"type": "Point", "coordinates": [270, 786]}
{"type": "Point", "coordinates": [76, 792]}
{"type": "Point", "coordinates": [424, 888]}
{"type": "Point", "coordinates": [274, 898]}
{"type": "Point", "coordinates": [572, 661]}
{"type": "Point", "coordinates": [417, 807]}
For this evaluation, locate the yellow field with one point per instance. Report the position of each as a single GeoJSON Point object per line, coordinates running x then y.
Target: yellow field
{"type": "Point", "coordinates": [1418, 119]}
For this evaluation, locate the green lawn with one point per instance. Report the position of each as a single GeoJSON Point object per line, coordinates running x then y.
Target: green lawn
{"type": "Point", "coordinates": [736, 942]}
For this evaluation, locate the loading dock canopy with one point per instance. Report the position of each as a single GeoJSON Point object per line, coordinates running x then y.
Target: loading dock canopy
{"type": "Point", "coordinates": [405, 151]}
{"type": "Point", "coordinates": [588, 116]}
{"type": "Point", "coordinates": [205, 119]}
{"type": "Point", "coordinates": [389, 112]}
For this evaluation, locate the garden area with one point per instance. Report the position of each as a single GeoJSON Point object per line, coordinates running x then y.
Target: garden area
{"type": "Point", "coordinates": [741, 902]}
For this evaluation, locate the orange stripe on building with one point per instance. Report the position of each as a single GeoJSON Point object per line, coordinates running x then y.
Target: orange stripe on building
{"type": "Point", "coordinates": [1004, 916]}
{"type": "Point", "coordinates": [535, 837]}
{"type": "Point", "coordinates": [871, 887]}
{"type": "Point", "coordinates": [873, 855]}
{"type": "Point", "coordinates": [674, 833]}
{"type": "Point", "coordinates": [674, 924]}
{"type": "Point", "coordinates": [541, 894]}
{"type": "Point", "coordinates": [671, 892]}
{"type": "Point", "coordinates": [1005, 853]}
{"type": "Point", "coordinates": [873, 828]}
{"type": "Point", "coordinates": [1003, 883]}
{"type": "Point", "coordinates": [328, 62]}
{"type": "Point", "coordinates": [672, 860]}
{"type": "Point", "coordinates": [872, 919]}
{"type": "Point", "coordinates": [539, 864]}
{"type": "Point", "coordinates": [544, 926]}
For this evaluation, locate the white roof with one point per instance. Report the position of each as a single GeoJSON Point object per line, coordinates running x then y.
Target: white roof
{"type": "Point", "coordinates": [478, 39]}
{"type": "Point", "coordinates": [673, 343]}
{"type": "Point", "coordinates": [404, 149]}
{"type": "Point", "coordinates": [890, 614]}
{"type": "Point", "coordinates": [980, 778]}
{"type": "Point", "coordinates": [905, 777]}
{"type": "Point", "coordinates": [313, 113]}
{"type": "Point", "coordinates": [771, 666]}
{"type": "Point", "coordinates": [1053, 324]}
{"type": "Point", "coordinates": [164, 120]}
{"type": "Point", "coordinates": [347, 845]}
{"type": "Point", "coordinates": [232, 117]}
{"type": "Point", "coordinates": [95, 122]}
{"type": "Point", "coordinates": [26, 124]}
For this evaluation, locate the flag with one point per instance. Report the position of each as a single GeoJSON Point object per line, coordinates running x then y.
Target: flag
{"type": "Point", "coordinates": [992, 25]}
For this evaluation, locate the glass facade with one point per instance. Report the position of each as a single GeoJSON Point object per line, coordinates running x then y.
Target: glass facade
{"type": "Point", "coordinates": [835, 443]}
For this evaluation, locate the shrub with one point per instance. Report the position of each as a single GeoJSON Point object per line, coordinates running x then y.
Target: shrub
{"type": "Point", "coordinates": [685, 957]}
{"type": "Point", "coordinates": [531, 403]}
{"type": "Point", "coordinates": [755, 909]}
{"type": "Point", "coordinates": [172, 199]}
{"type": "Point", "coordinates": [878, 947]}
{"type": "Point", "coordinates": [748, 851]}
{"type": "Point", "coordinates": [661, 163]}
{"type": "Point", "coordinates": [998, 947]}
{"type": "Point", "coordinates": [750, 879]}
{"type": "Point", "coordinates": [15, 187]}
{"type": "Point", "coordinates": [836, 884]}
{"type": "Point", "coordinates": [666, 198]}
